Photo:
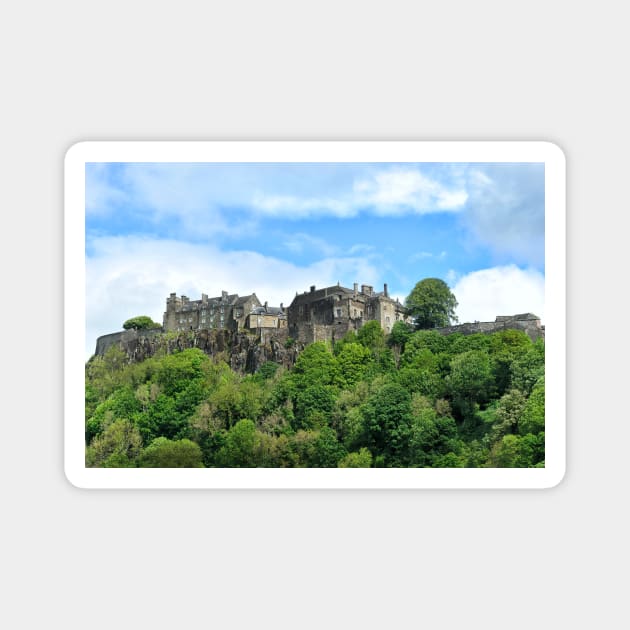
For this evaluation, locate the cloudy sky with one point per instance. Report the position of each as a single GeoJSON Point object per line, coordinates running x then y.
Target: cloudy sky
{"type": "Point", "coordinates": [274, 229]}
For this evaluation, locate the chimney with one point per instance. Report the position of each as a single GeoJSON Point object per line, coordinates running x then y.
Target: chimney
{"type": "Point", "coordinates": [366, 289]}
{"type": "Point", "coordinates": [282, 307]}
{"type": "Point", "coordinates": [313, 288]}
{"type": "Point", "coordinates": [224, 295]}
{"type": "Point", "coordinates": [356, 288]}
{"type": "Point", "coordinates": [204, 298]}
{"type": "Point", "coordinates": [265, 306]}
{"type": "Point", "coordinates": [385, 290]}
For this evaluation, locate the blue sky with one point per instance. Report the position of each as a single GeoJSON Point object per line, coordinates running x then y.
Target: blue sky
{"type": "Point", "coordinates": [274, 229]}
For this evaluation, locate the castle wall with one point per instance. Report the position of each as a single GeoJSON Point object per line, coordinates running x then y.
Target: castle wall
{"type": "Point", "coordinates": [105, 342]}
{"type": "Point", "coordinates": [243, 351]}
{"type": "Point", "coordinates": [531, 327]}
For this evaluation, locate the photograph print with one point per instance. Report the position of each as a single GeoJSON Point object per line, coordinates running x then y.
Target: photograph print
{"type": "Point", "coordinates": [314, 315]}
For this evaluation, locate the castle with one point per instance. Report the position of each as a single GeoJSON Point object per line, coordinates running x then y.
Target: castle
{"type": "Point", "coordinates": [317, 315]}
{"type": "Point", "coordinates": [229, 312]}
{"type": "Point", "coordinates": [325, 314]}
{"type": "Point", "coordinates": [328, 314]}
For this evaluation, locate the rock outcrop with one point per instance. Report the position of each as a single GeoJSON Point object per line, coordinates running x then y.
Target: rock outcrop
{"type": "Point", "coordinates": [244, 352]}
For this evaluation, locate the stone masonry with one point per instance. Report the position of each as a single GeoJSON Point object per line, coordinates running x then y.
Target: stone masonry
{"type": "Point", "coordinates": [328, 314]}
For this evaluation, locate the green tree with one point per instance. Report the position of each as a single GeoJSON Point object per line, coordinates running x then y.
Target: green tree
{"type": "Point", "coordinates": [353, 360]}
{"type": "Point", "coordinates": [313, 406]}
{"type": "Point", "coordinates": [360, 459]}
{"type": "Point", "coordinates": [387, 424]}
{"type": "Point", "coordinates": [371, 335]}
{"type": "Point", "coordinates": [431, 304]}
{"type": "Point", "coordinates": [470, 381]}
{"type": "Point", "coordinates": [120, 405]}
{"type": "Point", "coordinates": [516, 451]}
{"type": "Point", "coordinates": [267, 370]}
{"type": "Point", "coordinates": [508, 414]}
{"type": "Point", "coordinates": [431, 435]}
{"type": "Point", "coordinates": [398, 337]}
{"type": "Point", "coordinates": [242, 446]}
{"type": "Point", "coordinates": [429, 339]}
{"type": "Point", "coordinates": [528, 367]}
{"type": "Point", "coordinates": [141, 322]}
{"type": "Point", "coordinates": [533, 418]}
{"type": "Point", "coordinates": [328, 450]}
{"type": "Point", "coordinates": [175, 371]}
{"type": "Point", "coordinates": [117, 446]}
{"type": "Point", "coordinates": [165, 453]}
{"type": "Point", "coordinates": [315, 364]}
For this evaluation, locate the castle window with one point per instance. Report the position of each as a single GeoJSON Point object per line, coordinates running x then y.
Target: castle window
{"type": "Point", "coordinates": [203, 320]}
{"type": "Point", "coordinates": [387, 320]}
{"type": "Point", "coordinates": [338, 312]}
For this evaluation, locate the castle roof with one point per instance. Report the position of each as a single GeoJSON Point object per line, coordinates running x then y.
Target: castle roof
{"type": "Point", "coordinates": [240, 301]}
{"type": "Point", "coordinates": [308, 297]}
{"type": "Point", "coordinates": [268, 310]}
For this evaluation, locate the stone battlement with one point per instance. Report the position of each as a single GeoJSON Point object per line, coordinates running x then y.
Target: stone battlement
{"type": "Point", "coordinates": [527, 322]}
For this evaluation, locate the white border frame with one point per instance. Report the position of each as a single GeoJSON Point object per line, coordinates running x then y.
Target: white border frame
{"type": "Point", "coordinates": [367, 151]}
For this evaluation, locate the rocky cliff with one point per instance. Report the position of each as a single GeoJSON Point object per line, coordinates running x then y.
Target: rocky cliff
{"type": "Point", "coordinates": [244, 352]}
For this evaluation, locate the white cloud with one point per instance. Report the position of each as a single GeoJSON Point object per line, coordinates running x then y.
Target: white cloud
{"type": "Point", "coordinates": [392, 192]}
{"type": "Point", "coordinates": [484, 294]}
{"type": "Point", "coordinates": [400, 191]}
{"type": "Point", "coordinates": [294, 207]}
{"type": "Point", "coordinates": [128, 276]}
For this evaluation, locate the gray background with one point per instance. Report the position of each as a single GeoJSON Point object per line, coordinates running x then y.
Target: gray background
{"type": "Point", "coordinates": [324, 70]}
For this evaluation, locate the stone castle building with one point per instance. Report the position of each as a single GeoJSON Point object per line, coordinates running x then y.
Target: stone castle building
{"type": "Point", "coordinates": [317, 315]}
{"type": "Point", "coordinates": [328, 314]}
{"type": "Point", "coordinates": [229, 312]}
{"type": "Point", "coordinates": [325, 314]}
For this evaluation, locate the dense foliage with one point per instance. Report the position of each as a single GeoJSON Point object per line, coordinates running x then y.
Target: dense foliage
{"type": "Point", "coordinates": [141, 322]}
{"type": "Point", "coordinates": [409, 399]}
{"type": "Point", "coordinates": [431, 304]}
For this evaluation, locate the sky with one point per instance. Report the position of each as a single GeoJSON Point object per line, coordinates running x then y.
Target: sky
{"type": "Point", "coordinates": [276, 229]}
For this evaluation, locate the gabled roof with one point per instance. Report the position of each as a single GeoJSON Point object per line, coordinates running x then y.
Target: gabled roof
{"type": "Point", "coordinates": [308, 297]}
{"type": "Point", "coordinates": [270, 310]}
{"type": "Point", "coordinates": [241, 301]}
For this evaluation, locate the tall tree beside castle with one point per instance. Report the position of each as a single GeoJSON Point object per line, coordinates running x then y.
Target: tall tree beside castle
{"type": "Point", "coordinates": [431, 304]}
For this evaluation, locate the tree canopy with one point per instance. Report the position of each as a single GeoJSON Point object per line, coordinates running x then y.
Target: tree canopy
{"type": "Point", "coordinates": [407, 399]}
{"type": "Point", "coordinates": [141, 322]}
{"type": "Point", "coordinates": [431, 304]}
